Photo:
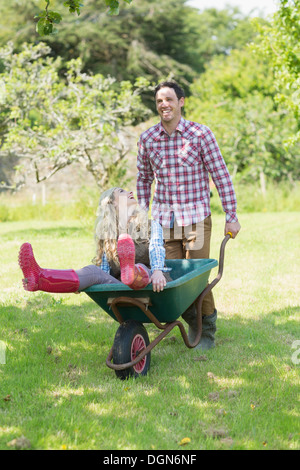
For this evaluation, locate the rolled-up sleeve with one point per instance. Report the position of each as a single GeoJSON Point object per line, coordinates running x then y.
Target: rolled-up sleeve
{"type": "Point", "coordinates": [105, 264]}
{"type": "Point", "coordinates": [157, 252]}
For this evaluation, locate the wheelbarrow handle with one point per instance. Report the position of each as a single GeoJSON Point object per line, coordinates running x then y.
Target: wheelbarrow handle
{"type": "Point", "coordinates": [222, 254]}
{"type": "Point", "coordinates": [221, 266]}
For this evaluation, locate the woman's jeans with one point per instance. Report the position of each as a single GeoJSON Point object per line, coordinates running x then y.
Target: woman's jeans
{"type": "Point", "coordinates": [91, 275]}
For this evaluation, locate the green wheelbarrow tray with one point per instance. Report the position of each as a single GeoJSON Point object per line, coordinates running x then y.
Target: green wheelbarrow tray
{"type": "Point", "coordinates": [189, 285]}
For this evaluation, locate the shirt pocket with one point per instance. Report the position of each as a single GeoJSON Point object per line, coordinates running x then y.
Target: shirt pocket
{"type": "Point", "coordinates": [156, 160]}
{"type": "Point", "coordinates": [189, 157]}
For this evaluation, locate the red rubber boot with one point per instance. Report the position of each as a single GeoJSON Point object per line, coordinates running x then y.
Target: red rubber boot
{"type": "Point", "coordinates": [47, 280]}
{"type": "Point", "coordinates": [133, 275]}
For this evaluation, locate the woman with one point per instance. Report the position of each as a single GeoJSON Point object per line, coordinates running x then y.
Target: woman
{"type": "Point", "coordinates": [127, 251]}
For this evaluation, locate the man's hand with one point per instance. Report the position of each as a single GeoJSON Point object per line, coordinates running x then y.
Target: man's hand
{"type": "Point", "coordinates": [233, 227]}
{"type": "Point", "coordinates": [158, 281]}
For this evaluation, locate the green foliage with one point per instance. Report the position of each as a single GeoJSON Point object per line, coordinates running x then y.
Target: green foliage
{"type": "Point", "coordinates": [152, 43]}
{"type": "Point", "coordinates": [47, 17]}
{"type": "Point", "coordinates": [46, 20]}
{"type": "Point", "coordinates": [73, 5]}
{"type": "Point", "coordinates": [278, 197]}
{"type": "Point", "coordinates": [52, 123]}
{"type": "Point", "coordinates": [218, 32]}
{"type": "Point", "coordinates": [157, 39]}
{"type": "Point", "coordinates": [235, 98]}
{"type": "Point", "coordinates": [113, 6]}
{"type": "Point", "coordinates": [280, 42]}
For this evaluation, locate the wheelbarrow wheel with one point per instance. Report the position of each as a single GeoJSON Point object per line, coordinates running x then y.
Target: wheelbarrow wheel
{"type": "Point", "coordinates": [131, 338]}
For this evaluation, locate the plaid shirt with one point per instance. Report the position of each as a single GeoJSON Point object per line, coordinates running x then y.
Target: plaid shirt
{"type": "Point", "coordinates": [181, 164]}
{"type": "Point", "coordinates": [156, 250]}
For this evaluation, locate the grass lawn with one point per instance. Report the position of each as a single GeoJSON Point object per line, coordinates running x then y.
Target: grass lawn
{"type": "Point", "coordinates": [56, 391]}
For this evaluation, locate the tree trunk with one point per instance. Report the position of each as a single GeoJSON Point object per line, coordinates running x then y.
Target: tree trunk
{"type": "Point", "coordinates": [263, 183]}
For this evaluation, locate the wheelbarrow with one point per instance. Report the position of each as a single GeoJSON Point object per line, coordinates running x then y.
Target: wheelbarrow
{"type": "Point", "coordinates": [130, 354]}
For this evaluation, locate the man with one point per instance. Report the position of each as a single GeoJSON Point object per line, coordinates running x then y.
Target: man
{"type": "Point", "coordinates": [180, 155]}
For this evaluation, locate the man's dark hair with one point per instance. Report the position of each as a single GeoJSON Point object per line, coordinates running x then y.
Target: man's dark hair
{"type": "Point", "coordinates": [171, 84]}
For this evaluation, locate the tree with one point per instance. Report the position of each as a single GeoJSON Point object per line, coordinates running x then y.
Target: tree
{"type": "Point", "coordinates": [151, 38]}
{"type": "Point", "coordinates": [218, 33]}
{"type": "Point", "coordinates": [50, 123]}
{"type": "Point", "coordinates": [235, 98]}
{"type": "Point", "coordinates": [280, 43]}
{"type": "Point", "coordinates": [47, 19]}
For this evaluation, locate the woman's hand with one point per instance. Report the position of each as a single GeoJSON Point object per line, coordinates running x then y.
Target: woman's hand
{"type": "Point", "coordinates": [158, 281]}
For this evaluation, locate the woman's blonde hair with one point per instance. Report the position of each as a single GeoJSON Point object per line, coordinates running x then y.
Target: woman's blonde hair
{"type": "Point", "coordinates": [107, 227]}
